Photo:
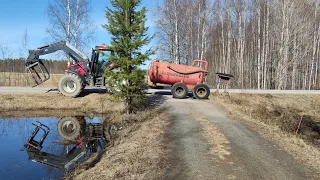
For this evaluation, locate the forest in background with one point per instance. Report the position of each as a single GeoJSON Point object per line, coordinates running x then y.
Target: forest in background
{"type": "Point", "coordinates": [72, 24]}
{"type": "Point", "coordinates": [18, 66]}
{"type": "Point", "coordinates": [265, 44]}
{"type": "Point", "coordinates": [13, 72]}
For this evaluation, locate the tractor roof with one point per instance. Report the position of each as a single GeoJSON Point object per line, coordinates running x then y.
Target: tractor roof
{"type": "Point", "coordinates": [103, 47]}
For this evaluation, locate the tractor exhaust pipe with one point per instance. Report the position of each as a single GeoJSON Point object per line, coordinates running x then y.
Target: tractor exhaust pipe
{"type": "Point", "coordinates": [37, 71]}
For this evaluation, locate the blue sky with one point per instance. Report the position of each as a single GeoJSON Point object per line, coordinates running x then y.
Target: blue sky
{"type": "Point", "coordinates": [18, 15]}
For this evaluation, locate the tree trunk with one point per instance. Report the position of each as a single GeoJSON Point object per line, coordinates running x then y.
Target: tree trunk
{"type": "Point", "coordinates": [177, 44]}
{"type": "Point", "coordinates": [258, 45]}
{"type": "Point", "coordinates": [198, 34]}
{"type": "Point", "coordinates": [266, 56]}
{"type": "Point", "coordinates": [77, 25]}
{"type": "Point", "coordinates": [314, 48]}
{"type": "Point", "coordinates": [69, 22]}
{"type": "Point", "coordinates": [294, 59]}
{"type": "Point", "coordinates": [222, 40]}
{"type": "Point", "coordinates": [229, 41]}
{"type": "Point", "coordinates": [239, 44]}
{"type": "Point", "coordinates": [203, 37]}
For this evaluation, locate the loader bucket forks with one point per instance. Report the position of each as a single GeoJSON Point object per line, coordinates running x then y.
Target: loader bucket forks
{"type": "Point", "coordinates": [32, 142]}
{"type": "Point", "coordinates": [38, 72]}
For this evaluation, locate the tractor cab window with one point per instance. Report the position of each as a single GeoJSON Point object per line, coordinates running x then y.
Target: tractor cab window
{"type": "Point", "coordinates": [103, 61]}
{"type": "Point", "coordinates": [104, 56]}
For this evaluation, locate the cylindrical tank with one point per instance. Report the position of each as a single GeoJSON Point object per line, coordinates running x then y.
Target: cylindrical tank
{"type": "Point", "coordinates": [169, 73]}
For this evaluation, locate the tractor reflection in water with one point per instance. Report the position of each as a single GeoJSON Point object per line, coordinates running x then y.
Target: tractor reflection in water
{"type": "Point", "coordinates": [84, 143]}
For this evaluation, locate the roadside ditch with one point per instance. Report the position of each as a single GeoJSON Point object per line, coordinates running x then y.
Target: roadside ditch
{"type": "Point", "coordinates": [109, 145]}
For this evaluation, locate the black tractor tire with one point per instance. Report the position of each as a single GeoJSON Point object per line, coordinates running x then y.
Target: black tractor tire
{"type": "Point", "coordinates": [201, 91]}
{"type": "Point", "coordinates": [71, 128]}
{"type": "Point", "coordinates": [83, 82]}
{"type": "Point", "coordinates": [70, 85]}
{"type": "Point", "coordinates": [82, 87]}
{"type": "Point", "coordinates": [179, 90]}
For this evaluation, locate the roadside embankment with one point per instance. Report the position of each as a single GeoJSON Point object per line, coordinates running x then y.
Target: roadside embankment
{"type": "Point", "coordinates": [277, 118]}
{"type": "Point", "coordinates": [53, 104]}
{"type": "Point", "coordinates": [138, 152]}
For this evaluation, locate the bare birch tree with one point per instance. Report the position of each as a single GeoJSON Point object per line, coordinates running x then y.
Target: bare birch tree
{"type": "Point", "coordinates": [70, 21]}
{"type": "Point", "coordinates": [265, 44]}
{"type": "Point", "coordinates": [24, 44]}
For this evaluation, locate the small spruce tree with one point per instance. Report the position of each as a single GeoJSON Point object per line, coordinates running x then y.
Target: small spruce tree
{"type": "Point", "coordinates": [126, 24]}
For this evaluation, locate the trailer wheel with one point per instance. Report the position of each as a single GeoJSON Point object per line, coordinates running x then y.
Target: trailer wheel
{"type": "Point", "coordinates": [179, 90]}
{"type": "Point", "coordinates": [70, 85]}
{"type": "Point", "coordinates": [201, 91]}
{"type": "Point", "coordinates": [71, 128]}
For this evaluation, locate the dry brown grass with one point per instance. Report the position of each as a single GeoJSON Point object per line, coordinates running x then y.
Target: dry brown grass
{"type": "Point", "coordinates": [283, 111]}
{"type": "Point", "coordinates": [24, 79]}
{"type": "Point", "coordinates": [15, 105]}
{"type": "Point", "coordinates": [276, 117]}
{"type": "Point", "coordinates": [219, 144]}
{"type": "Point", "coordinates": [138, 153]}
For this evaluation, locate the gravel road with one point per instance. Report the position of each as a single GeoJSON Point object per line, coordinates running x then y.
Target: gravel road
{"type": "Point", "coordinates": [245, 154]}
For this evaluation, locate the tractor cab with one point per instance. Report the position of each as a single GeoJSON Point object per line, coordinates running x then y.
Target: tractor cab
{"type": "Point", "coordinates": [100, 60]}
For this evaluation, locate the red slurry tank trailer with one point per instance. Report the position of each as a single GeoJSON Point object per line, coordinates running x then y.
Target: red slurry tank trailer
{"type": "Point", "coordinates": [183, 78]}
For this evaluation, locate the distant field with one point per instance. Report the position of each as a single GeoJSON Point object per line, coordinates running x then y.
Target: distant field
{"type": "Point", "coordinates": [24, 79]}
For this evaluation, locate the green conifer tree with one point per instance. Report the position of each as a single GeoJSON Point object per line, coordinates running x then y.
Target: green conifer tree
{"type": "Point", "coordinates": [126, 24]}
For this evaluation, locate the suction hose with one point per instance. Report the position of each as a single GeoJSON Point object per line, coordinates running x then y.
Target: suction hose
{"type": "Point", "coordinates": [189, 72]}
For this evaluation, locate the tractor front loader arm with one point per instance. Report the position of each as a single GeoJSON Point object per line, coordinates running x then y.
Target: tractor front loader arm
{"type": "Point", "coordinates": [36, 67]}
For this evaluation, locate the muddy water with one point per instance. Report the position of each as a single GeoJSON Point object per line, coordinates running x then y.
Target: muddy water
{"type": "Point", "coordinates": [26, 162]}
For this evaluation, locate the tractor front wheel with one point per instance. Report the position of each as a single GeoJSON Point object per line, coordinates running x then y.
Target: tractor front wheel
{"type": "Point", "coordinates": [179, 90]}
{"type": "Point", "coordinates": [70, 85]}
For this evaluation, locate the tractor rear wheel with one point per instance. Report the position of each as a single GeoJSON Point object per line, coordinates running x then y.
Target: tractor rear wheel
{"type": "Point", "coordinates": [201, 91]}
{"type": "Point", "coordinates": [71, 128]}
{"type": "Point", "coordinates": [70, 85]}
{"type": "Point", "coordinates": [179, 90]}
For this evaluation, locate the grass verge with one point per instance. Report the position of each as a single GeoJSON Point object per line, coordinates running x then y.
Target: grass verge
{"type": "Point", "coordinates": [219, 144]}
{"type": "Point", "coordinates": [31, 105]}
{"type": "Point", "coordinates": [276, 117]}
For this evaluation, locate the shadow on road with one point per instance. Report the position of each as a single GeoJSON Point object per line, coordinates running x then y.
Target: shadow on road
{"type": "Point", "coordinates": [168, 93]}
{"type": "Point", "coordinates": [85, 92]}
{"type": "Point", "coordinates": [163, 93]}
{"type": "Point", "coordinates": [155, 100]}
{"type": "Point", "coordinates": [88, 91]}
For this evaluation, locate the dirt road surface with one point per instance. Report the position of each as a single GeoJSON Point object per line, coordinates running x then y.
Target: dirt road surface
{"type": "Point", "coordinates": [205, 144]}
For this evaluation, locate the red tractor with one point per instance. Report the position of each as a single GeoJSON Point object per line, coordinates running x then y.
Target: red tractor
{"type": "Point", "coordinates": [81, 73]}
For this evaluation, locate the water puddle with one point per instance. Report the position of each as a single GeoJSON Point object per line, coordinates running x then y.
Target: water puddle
{"type": "Point", "coordinates": [47, 148]}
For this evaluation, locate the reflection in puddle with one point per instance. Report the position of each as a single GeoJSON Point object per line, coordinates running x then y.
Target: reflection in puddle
{"type": "Point", "coordinates": [56, 145]}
